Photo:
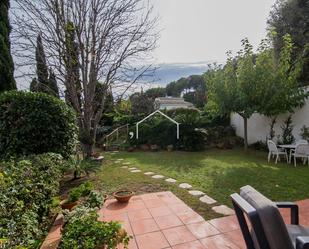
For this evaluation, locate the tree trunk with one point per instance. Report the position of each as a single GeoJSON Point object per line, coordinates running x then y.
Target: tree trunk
{"type": "Point", "coordinates": [87, 149]}
{"type": "Point", "coordinates": [245, 132]}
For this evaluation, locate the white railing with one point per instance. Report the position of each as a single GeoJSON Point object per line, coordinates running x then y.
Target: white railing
{"type": "Point", "coordinates": [116, 131]}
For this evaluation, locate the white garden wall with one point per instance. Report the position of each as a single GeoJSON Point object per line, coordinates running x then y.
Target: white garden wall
{"type": "Point", "coordinates": [259, 125]}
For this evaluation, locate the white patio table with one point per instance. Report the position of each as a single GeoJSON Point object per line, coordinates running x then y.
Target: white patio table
{"type": "Point", "coordinates": [288, 147]}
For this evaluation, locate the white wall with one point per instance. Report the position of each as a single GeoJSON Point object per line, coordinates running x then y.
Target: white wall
{"type": "Point", "coordinates": [259, 125]}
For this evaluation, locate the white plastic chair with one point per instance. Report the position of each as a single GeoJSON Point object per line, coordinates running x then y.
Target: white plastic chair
{"type": "Point", "coordinates": [301, 141]}
{"type": "Point", "coordinates": [301, 151]}
{"type": "Point", "coordinates": [275, 151]}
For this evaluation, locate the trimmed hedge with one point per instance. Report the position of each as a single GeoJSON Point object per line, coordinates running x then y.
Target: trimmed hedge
{"type": "Point", "coordinates": [35, 123]}
{"type": "Point", "coordinates": [162, 132]}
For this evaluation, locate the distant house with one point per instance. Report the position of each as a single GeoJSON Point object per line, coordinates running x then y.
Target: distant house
{"type": "Point", "coordinates": [169, 103]}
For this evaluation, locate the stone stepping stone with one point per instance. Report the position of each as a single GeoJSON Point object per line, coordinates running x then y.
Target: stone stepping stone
{"type": "Point", "coordinates": [124, 167]}
{"type": "Point", "coordinates": [196, 192]}
{"type": "Point", "coordinates": [149, 173]}
{"type": "Point", "coordinates": [120, 159]}
{"type": "Point", "coordinates": [170, 180]}
{"type": "Point", "coordinates": [126, 163]}
{"type": "Point", "coordinates": [135, 171]}
{"type": "Point", "coordinates": [132, 168]}
{"type": "Point", "coordinates": [157, 177]}
{"type": "Point", "coordinates": [208, 200]}
{"type": "Point", "coordinates": [223, 210]}
{"type": "Point", "coordinates": [185, 185]}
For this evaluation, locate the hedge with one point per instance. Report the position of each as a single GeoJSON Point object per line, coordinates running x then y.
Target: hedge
{"type": "Point", "coordinates": [27, 186]}
{"type": "Point", "coordinates": [35, 123]}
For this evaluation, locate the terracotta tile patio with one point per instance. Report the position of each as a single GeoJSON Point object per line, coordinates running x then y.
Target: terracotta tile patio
{"type": "Point", "coordinates": [162, 221]}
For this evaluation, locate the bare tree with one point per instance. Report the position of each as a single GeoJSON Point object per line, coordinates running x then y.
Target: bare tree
{"type": "Point", "coordinates": [87, 41]}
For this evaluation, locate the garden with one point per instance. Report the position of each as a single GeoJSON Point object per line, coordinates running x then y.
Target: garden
{"type": "Point", "coordinates": [70, 144]}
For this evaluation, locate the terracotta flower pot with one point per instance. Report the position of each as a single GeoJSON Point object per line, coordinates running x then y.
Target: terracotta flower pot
{"type": "Point", "coordinates": [123, 195]}
{"type": "Point", "coordinates": [68, 205]}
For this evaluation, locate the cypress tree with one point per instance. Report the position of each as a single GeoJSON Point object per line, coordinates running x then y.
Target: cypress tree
{"type": "Point", "coordinates": [72, 62]}
{"type": "Point", "coordinates": [41, 66]}
{"type": "Point", "coordinates": [7, 81]}
{"type": "Point", "coordinates": [34, 85]}
{"type": "Point", "coordinates": [52, 84]}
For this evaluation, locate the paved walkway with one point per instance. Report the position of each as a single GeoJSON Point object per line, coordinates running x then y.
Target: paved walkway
{"type": "Point", "coordinates": [162, 221]}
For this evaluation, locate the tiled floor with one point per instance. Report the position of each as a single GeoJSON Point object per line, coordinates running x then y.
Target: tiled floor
{"type": "Point", "coordinates": [161, 220]}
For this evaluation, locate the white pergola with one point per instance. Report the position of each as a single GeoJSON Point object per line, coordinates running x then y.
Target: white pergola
{"type": "Point", "coordinates": [161, 113]}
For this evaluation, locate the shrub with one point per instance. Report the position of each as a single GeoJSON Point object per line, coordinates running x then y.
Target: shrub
{"type": "Point", "coordinates": [27, 187]}
{"type": "Point", "coordinates": [217, 133]}
{"type": "Point", "coordinates": [80, 166]}
{"type": "Point", "coordinates": [304, 133]}
{"type": "Point", "coordinates": [260, 145]}
{"type": "Point", "coordinates": [35, 123]}
{"type": "Point", "coordinates": [173, 113]}
{"type": "Point", "coordinates": [287, 132]}
{"type": "Point", "coordinates": [94, 200]}
{"type": "Point", "coordinates": [80, 191]}
{"type": "Point", "coordinates": [213, 117]}
{"type": "Point", "coordinates": [158, 131]}
{"type": "Point", "coordinates": [191, 139]}
{"type": "Point", "coordinates": [83, 230]}
{"type": "Point", "coordinates": [162, 132]}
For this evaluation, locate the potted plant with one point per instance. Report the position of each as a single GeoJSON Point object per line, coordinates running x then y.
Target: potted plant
{"type": "Point", "coordinates": [71, 201]}
{"type": "Point", "coordinates": [75, 194]}
{"type": "Point", "coordinates": [123, 195]}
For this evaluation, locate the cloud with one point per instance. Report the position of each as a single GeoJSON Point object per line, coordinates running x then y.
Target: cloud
{"type": "Point", "coordinates": [168, 72]}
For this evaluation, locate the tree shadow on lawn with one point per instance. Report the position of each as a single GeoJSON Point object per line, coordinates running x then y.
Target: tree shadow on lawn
{"type": "Point", "coordinates": [277, 183]}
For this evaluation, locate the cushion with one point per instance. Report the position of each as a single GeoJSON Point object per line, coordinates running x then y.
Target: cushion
{"type": "Point", "coordinates": [273, 224]}
{"type": "Point", "coordinates": [297, 231]}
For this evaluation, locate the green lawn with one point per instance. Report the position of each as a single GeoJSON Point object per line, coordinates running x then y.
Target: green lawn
{"type": "Point", "coordinates": [218, 173]}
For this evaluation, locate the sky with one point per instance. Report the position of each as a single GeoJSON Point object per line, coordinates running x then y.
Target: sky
{"type": "Point", "coordinates": [196, 32]}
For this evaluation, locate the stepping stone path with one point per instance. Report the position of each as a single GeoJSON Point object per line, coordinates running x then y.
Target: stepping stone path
{"type": "Point", "coordinates": [196, 192]}
{"type": "Point", "coordinates": [157, 177]}
{"type": "Point", "coordinates": [170, 180]}
{"type": "Point", "coordinates": [223, 210]}
{"type": "Point", "coordinates": [135, 171]}
{"type": "Point", "coordinates": [149, 173]}
{"type": "Point", "coordinates": [208, 200]}
{"type": "Point", "coordinates": [204, 199]}
{"type": "Point", "coordinates": [185, 186]}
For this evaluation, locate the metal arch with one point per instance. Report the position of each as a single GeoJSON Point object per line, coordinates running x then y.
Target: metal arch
{"type": "Point", "coordinates": [164, 115]}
